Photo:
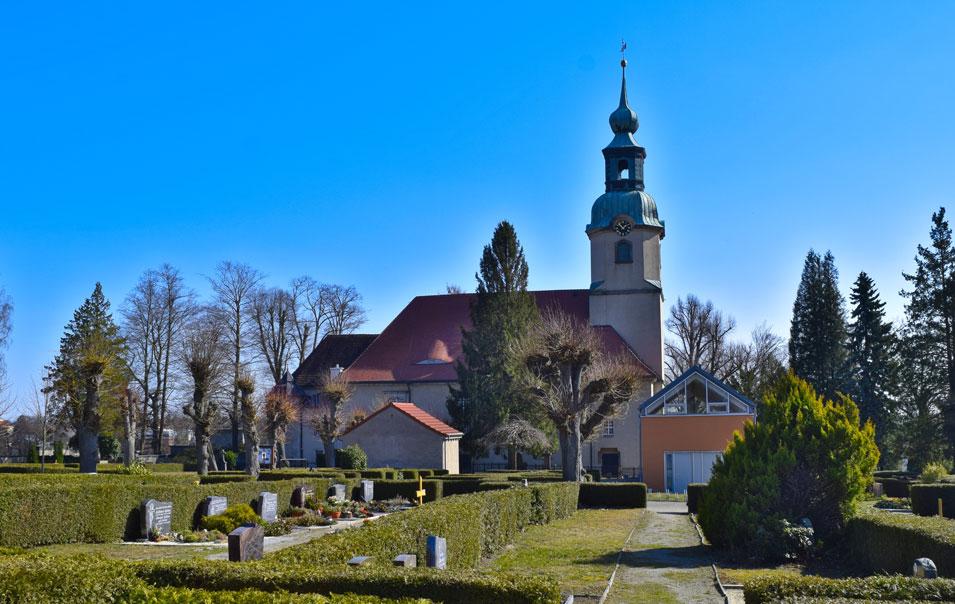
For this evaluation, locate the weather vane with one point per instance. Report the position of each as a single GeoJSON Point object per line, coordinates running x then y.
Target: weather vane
{"type": "Point", "coordinates": [623, 50]}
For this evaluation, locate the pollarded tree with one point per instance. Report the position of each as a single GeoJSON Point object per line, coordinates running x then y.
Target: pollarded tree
{"type": "Point", "coordinates": [280, 412]}
{"type": "Point", "coordinates": [250, 419]}
{"type": "Point", "coordinates": [567, 375]}
{"type": "Point", "coordinates": [807, 457]}
{"type": "Point", "coordinates": [88, 373]}
{"type": "Point", "coordinates": [204, 356]}
{"type": "Point", "coordinates": [329, 419]}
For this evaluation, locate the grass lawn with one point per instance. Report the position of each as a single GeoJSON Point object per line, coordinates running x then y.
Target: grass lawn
{"type": "Point", "coordinates": [661, 496]}
{"type": "Point", "coordinates": [579, 552]}
{"type": "Point", "coordinates": [130, 552]}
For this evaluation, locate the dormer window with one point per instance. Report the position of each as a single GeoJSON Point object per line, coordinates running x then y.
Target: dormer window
{"type": "Point", "coordinates": [623, 253]}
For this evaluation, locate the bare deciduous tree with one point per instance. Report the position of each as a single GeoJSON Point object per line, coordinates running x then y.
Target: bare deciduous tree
{"type": "Point", "coordinates": [43, 419]}
{"type": "Point", "coordinates": [272, 313]}
{"type": "Point", "coordinates": [343, 310]}
{"type": "Point", "coordinates": [250, 419]}
{"type": "Point", "coordinates": [329, 418]}
{"type": "Point", "coordinates": [204, 356]}
{"type": "Point", "coordinates": [233, 286]}
{"type": "Point", "coordinates": [702, 338]}
{"type": "Point", "coordinates": [756, 366]}
{"type": "Point", "coordinates": [6, 327]}
{"type": "Point", "coordinates": [572, 381]}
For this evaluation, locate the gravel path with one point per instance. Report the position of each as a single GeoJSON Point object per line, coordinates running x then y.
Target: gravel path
{"type": "Point", "coordinates": [664, 562]}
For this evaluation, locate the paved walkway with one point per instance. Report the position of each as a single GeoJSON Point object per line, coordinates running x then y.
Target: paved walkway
{"type": "Point", "coordinates": [664, 561]}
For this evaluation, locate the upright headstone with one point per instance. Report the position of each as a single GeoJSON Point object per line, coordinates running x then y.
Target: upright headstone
{"type": "Point", "coordinates": [300, 494]}
{"type": "Point", "coordinates": [214, 505]}
{"type": "Point", "coordinates": [338, 492]}
{"type": "Point", "coordinates": [268, 506]}
{"type": "Point", "coordinates": [246, 543]}
{"type": "Point", "coordinates": [924, 568]}
{"type": "Point", "coordinates": [437, 552]}
{"type": "Point", "coordinates": [367, 490]}
{"type": "Point", "coordinates": [155, 517]}
{"type": "Point", "coordinates": [408, 560]}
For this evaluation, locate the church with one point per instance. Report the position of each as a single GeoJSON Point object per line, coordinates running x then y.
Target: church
{"type": "Point", "coordinates": [402, 376]}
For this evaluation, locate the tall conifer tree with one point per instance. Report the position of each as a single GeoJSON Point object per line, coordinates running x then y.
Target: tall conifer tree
{"type": "Point", "coordinates": [870, 356]}
{"type": "Point", "coordinates": [931, 310]}
{"type": "Point", "coordinates": [502, 311]}
{"type": "Point", "coordinates": [817, 341]}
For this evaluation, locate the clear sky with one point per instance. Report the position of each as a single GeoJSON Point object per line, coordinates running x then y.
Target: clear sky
{"type": "Point", "coordinates": [378, 146]}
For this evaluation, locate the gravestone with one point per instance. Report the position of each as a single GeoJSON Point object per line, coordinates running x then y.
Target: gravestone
{"type": "Point", "coordinates": [924, 568]}
{"type": "Point", "coordinates": [359, 561]}
{"type": "Point", "coordinates": [407, 560]}
{"type": "Point", "coordinates": [214, 505]}
{"type": "Point", "coordinates": [267, 506]}
{"type": "Point", "coordinates": [246, 543]}
{"type": "Point", "coordinates": [437, 552]}
{"type": "Point", "coordinates": [155, 517]}
{"type": "Point", "coordinates": [338, 492]}
{"type": "Point", "coordinates": [367, 490]}
{"type": "Point", "coordinates": [300, 494]}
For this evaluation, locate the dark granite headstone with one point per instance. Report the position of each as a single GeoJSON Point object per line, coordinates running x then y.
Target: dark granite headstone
{"type": "Point", "coordinates": [409, 560]}
{"type": "Point", "coordinates": [155, 517]}
{"type": "Point", "coordinates": [367, 490]}
{"type": "Point", "coordinates": [214, 505]}
{"type": "Point", "coordinates": [338, 492]}
{"type": "Point", "coordinates": [267, 506]}
{"type": "Point", "coordinates": [246, 543]}
{"type": "Point", "coordinates": [437, 552]}
{"type": "Point", "coordinates": [924, 568]}
{"type": "Point", "coordinates": [300, 494]}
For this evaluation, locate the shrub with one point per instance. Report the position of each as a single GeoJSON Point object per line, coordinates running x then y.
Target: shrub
{"type": "Point", "coordinates": [58, 452]}
{"type": "Point", "coordinates": [137, 468]}
{"type": "Point", "coordinates": [895, 486]}
{"type": "Point", "coordinates": [613, 494]}
{"type": "Point", "coordinates": [233, 517]}
{"type": "Point", "coordinates": [925, 499]}
{"type": "Point", "coordinates": [231, 458]}
{"type": "Point", "coordinates": [694, 492]}
{"type": "Point", "coordinates": [352, 457]}
{"type": "Point", "coordinates": [108, 446]}
{"type": "Point", "coordinates": [806, 458]}
{"type": "Point", "coordinates": [890, 542]}
{"type": "Point", "coordinates": [373, 474]}
{"type": "Point", "coordinates": [933, 472]}
{"type": "Point", "coordinates": [770, 588]}
{"type": "Point", "coordinates": [389, 489]}
{"type": "Point", "coordinates": [33, 455]}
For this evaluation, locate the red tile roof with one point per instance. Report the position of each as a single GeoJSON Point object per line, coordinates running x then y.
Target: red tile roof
{"type": "Point", "coordinates": [417, 414]}
{"type": "Point", "coordinates": [423, 341]}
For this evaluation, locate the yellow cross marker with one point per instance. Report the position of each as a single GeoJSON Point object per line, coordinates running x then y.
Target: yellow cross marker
{"type": "Point", "coordinates": [420, 493]}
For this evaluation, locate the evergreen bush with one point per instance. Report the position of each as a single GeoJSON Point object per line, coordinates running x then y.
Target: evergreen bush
{"type": "Point", "coordinates": [352, 457]}
{"type": "Point", "coordinates": [694, 492]}
{"type": "Point", "coordinates": [233, 517]}
{"type": "Point", "coordinates": [805, 458]}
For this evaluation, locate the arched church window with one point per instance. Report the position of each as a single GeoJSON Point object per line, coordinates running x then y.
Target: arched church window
{"type": "Point", "coordinates": [623, 170]}
{"type": "Point", "coordinates": [624, 252]}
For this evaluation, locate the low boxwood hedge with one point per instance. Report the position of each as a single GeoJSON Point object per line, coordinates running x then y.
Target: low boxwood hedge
{"type": "Point", "coordinates": [889, 542]}
{"type": "Point", "coordinates": [389, 489]}
{"type": "Point", "coordinates": [694, 493]}
{"type": "Point", "coordinates": [765, 589]}
{"type": "Point", "coordinates": [613, 494]}
{"type": "Point", "coordinates": [925, 499]}
{"type": "Point", "coordinates": [895, 486]}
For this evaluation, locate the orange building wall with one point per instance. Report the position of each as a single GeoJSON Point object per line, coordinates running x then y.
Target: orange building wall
{"type": "Point", "coordinates": [683, 433]}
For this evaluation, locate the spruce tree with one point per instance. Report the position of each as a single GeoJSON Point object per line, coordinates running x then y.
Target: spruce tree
{"type": "Point", "coordinates": [870, 356]}
{"type": "Point", "coordinates": [931, 310]}
{"type": "Point", "coordinates": [502, 311]}
{"type": "Point", "coordinates": [817, 342]}
{"type": "Point", "coordinates": [88, 374]}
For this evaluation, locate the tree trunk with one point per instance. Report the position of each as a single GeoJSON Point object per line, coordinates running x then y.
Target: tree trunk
{"type": "Point", "coordinates": [251, 456]}
{"type": "Point", "coordinates": [213, 464]}
{"type": "Point", "coordinates": [512, 456]}
{"type": "Point", "coordinates": [575, 450]}
{"type": "Point", "coordinates": [88, 443]}
{"type": "Point", "coordinates": [566, 467]}
{"type": "Point", "coordinates": [156, 439]}
{"type": "Point", "coordinates": [283, 460]}
{"type": "Point", "coordinates": [202, 452]}
{"type": "Point", "coordinates": [329, 447]}
{"type": "Point", "coordinates": [129, 437]}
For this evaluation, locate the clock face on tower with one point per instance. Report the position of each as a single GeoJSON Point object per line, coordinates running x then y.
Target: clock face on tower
{"type": "Point", "coordinates": [622, 227]}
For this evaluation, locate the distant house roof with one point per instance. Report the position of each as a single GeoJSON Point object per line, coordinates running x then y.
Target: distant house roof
{"type": "Point", "coordinates": [334, 349]}
{"type": "Point", "coordinates": [423, 342]}
{"type": "Point", "coordinates": [417, 414]}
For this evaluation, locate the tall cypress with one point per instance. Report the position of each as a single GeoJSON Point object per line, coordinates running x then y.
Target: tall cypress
{"type": "Point", "coordinates": [503, 309]}
{"type": "Point", "coordinates": [817, 342]}
{"type": "Point", "coordinates": [931, 310]}
{"type": "Point", "coordinates": [870, 356]}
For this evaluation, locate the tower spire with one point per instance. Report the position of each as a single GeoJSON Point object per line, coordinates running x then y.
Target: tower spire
{"type": "Point", "coordinates": [623, 120]}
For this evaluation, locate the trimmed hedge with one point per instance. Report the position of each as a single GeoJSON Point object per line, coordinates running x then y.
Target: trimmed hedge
{"type": "Point", "coordinates": [389, 489]}
{"type": "Point", "coordinates": [895, 486]}
{"type": "Point", "coordinates": [925, 499]}
{"type": "Point", "coordinates": [613, 494]}
{"type": "Point", "coordinates": [768, 589]}
{"type": "Point", "coordinates": [99, 509]}
{"type": "Point", "coordinates": [694, 493]}
{"type": "Point", "coordinates": [890, 542]}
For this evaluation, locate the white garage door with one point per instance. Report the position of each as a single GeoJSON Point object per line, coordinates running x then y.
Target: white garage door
{"type": "Point", "coordinates": [683, 467]}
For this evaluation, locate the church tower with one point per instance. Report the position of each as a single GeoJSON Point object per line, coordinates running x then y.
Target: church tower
{"type": "Point", "coordinates": [625, 232]}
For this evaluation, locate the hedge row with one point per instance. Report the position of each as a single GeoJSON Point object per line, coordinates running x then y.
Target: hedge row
{"type": "Point", "coordinates": [890, 542]}
{"type": "Point", "coordinates": [895, 486]}
{"type": "Point", "coordinates": [789, 588]}
{"type": "Point", "coordinates": [106, 508]}
{"type": "Point", "coordinates": [613, 494]}
{"type": "Point", "coordinates": [73, 468]}
{"type": "Point", "coordinates": [389, 489]}
{"type": "Point", "coordinates": [925, 499]}
{"type": "Point", "coordinates": [475, 526]}
{"type": "Point", "coordinates": [694, 493]}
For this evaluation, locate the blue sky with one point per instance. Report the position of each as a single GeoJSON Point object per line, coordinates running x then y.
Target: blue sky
{"type": "Point", "coordinates": [378, 146]}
